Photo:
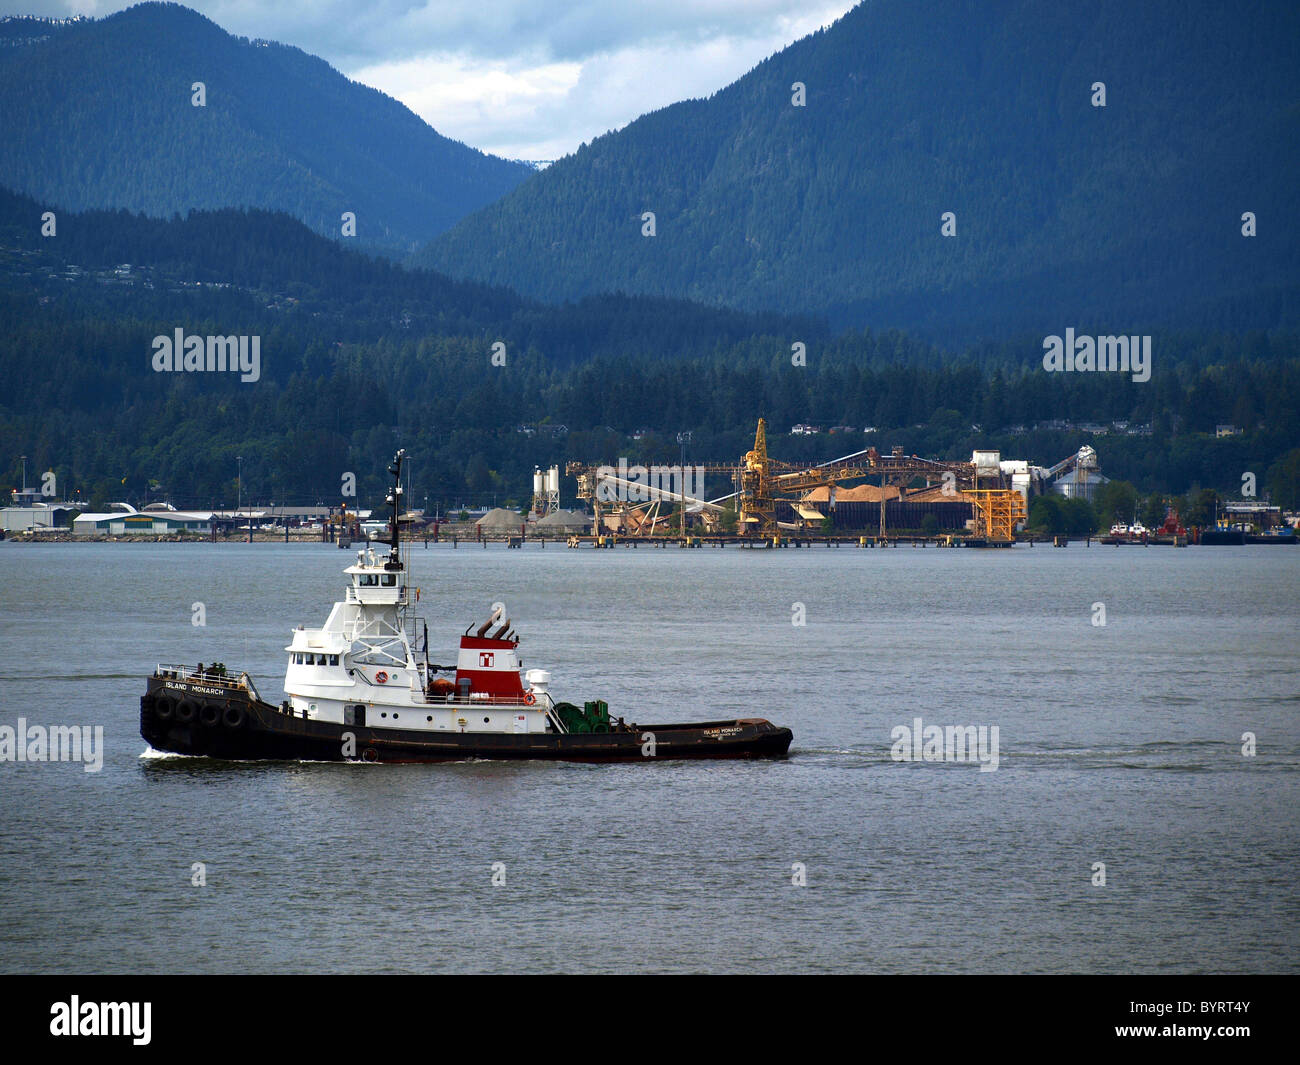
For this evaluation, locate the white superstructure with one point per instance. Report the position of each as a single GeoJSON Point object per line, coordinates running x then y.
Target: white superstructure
{"type": "Point", "coordinates": [361, 667]}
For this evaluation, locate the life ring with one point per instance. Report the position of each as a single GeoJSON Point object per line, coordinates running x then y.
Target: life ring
{"type": "Point", "coordinates": [233, 717]}
{"type": "Point", "coordinates": [210, 715]}
{"type": "Point", "coordinates": [185, 710]}
{"type": "Point", "coordinates": [529, 698]}
{"type": "Point", "coordinates": [370, 755]}
{"type": "Point", "coordinates": [381, 677]}
{"type": "Point", "coordinates": [163, 708]}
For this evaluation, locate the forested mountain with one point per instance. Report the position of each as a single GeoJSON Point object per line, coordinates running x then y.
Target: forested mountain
{"type": "Point", "coordinates": [268, 260]}
{"type": "Point", "coordinates": [359, 356]}
{"type": "Point", "coordinates": [1109, 218]}
{"type": "Point", "coordinates": [100, 113]}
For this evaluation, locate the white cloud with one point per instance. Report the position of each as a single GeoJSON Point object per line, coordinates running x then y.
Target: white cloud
{"type": "Point", "coordinates": [495, 106]}
{"type": "Point", "coordinates": [524, 107]}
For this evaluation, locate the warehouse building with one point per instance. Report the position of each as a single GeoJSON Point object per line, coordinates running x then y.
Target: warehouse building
{"type": "Point", "coordinates": [155, 520]}
{"type": "Point", "coordinates": [37, 516]}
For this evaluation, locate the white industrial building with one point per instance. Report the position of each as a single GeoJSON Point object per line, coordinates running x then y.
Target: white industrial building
{"type": "Point", "coordinates": [158, 519]}
{"type": "Point", "coordinates": [37, 516]}
{"type": "Point", "coordinates": [1079, 484]}
{"type": "Point", "coordinates": [31, 510]}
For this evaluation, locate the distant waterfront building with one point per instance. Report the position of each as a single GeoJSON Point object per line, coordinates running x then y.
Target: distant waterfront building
{"type": "Point", "coordinates": [1264, 515]}
{"type": "Point", "coordinates": [306, 515]}
{"type": "Point", "coordinates": [36, 516]}
{"type": "Point", "coordinates": [131, 522]}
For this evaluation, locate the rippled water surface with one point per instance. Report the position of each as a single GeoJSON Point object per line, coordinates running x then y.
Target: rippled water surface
{"type": "Point", "coordinates": [1119, 744]}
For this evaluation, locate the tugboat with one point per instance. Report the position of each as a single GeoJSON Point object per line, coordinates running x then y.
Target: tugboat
{"type": "Point", "coordinates": [359, 691]}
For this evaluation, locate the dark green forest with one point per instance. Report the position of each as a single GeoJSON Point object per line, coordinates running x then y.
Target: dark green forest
{"type": "Point", "coordinates": [360, 357]}
{"type": "Point", "coordinates": [99, 113]}
{"type": "Point", "coordinates": [1111, 219]}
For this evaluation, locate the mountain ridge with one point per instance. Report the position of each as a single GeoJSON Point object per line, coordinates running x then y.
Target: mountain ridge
{"type": "Point", "coordinates": [280, 129]}
{"type": "Point", "coordinates": [911, 110]}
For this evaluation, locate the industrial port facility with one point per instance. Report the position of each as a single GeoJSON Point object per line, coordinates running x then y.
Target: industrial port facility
{"type": "Point", "coordinates": [982, 501]}
{"type": "Point", "coordinates": [868, 497]}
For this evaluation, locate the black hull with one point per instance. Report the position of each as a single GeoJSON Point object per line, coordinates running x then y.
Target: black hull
{"type": "Point", "coordinates": [1223, 538]}
{"type": "Point", "coordinates": [232, 725]}
{"type": "Point", "coordinates": [1239, 538]}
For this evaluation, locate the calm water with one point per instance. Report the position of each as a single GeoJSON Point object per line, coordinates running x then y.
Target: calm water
{"type": "Point", "coordinates": [1118, 744]}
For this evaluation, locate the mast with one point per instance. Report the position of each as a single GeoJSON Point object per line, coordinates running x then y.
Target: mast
{"type": "Point", "coordinates": [394, 500]}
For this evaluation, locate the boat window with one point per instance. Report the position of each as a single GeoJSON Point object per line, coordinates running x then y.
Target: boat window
{"type": "Point", "coordinates": [369, 580]}
{"type": "Point", "coordinates": [334, 660]}
{"type": "Point", "coordinates": [389, 580]}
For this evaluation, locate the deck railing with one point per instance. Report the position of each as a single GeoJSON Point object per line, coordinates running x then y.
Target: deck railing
{"type": "Point", "coordinates": [475, 699]}
{"type": "Point", "coordinates": [232, 681]}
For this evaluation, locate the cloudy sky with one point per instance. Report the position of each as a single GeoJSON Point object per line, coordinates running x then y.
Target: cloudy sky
{"type": "Point", "coordinates": [526, 79]}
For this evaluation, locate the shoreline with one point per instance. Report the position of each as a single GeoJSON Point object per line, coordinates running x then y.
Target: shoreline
{"type": "Point", "coordinates": [610, 541]}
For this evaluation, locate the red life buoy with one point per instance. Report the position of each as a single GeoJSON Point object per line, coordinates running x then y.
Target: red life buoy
{"type": "Point", "coordinates": [529, 698]}
{"type": "Point", "coordinates": [381, 677]}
